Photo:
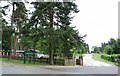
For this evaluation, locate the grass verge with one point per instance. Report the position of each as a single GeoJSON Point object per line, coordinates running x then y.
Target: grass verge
{"type": "Point", "coordinates": [22, 62]}
{"type": "Point", "coordinates": [98, 57]}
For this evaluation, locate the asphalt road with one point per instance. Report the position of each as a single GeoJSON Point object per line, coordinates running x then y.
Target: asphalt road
{"type": "Point", "coordinates": [9, 68]}
{"type": "Point", "coordinates": [21, 69]}
{"type": "Point", "coordinates": [88, 61]}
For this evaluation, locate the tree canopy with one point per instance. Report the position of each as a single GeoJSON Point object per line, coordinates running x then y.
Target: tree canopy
{"type": "Point", "coordinates": [48, 29]}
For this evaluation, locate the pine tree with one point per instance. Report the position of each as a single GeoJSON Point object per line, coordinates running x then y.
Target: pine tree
{"type": "Point", "coordinates": [53, 16]}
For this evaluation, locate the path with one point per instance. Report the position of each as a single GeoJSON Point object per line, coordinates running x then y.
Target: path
{"type": "Point", "coordinates": [88, 61]}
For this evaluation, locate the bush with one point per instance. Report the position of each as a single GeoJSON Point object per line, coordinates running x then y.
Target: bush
{"type": "Point", "coordinates": [59, 61]}
{"type": "Point", "coordinates": [110, 57]}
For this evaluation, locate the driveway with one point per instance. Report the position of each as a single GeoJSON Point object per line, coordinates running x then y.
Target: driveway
{"type": "Point", "coordinates": [88, 61]}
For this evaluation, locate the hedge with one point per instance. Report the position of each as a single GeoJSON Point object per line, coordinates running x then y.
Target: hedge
{"type": "Point", "coordinates": [110, 57]}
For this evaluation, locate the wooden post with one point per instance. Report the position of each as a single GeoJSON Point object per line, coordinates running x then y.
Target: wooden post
{"type": "Point", "coordinates": [29, 59]}
{"type": "Point", "coordinates": [24, 58]}
{"type": "Point", "coordinates": [0, 53]}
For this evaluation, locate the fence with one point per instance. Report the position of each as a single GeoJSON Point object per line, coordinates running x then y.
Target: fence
{"type": "Point", "coordinates": [39, 60]}
{"type": "Point", "coordinates": [57, 61]}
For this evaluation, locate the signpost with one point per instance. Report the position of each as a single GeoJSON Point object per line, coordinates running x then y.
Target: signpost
{"type": "Point", "coordinates": [28, 54]}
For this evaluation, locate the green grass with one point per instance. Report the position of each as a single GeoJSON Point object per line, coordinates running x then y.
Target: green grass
{"type": "Point", "coordinates": [98, 57]}
{"type": "Point", "coordinates": [0, 59]}
{"type": "Point", "coordinates": [22, 62]}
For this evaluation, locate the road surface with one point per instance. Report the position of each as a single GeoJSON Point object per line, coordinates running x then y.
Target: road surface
{"type": "Point", "coordinates": [88, 61]}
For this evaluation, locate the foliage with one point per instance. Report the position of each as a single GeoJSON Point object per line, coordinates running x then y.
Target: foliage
{"type": "Point", "coordinates": [116, 47]}
{"type": "Point", "coordinates": [98, 58]}
{"type": "Point", "coordinates": [6, 37]}
{"type": "Point", "coordinates": [17, 17]}
{"type": "Point", "coordinates": [96, 49]}
{"type": "Point", "coordinates": [47, 30]}
{"type": "Point", "coordinates": [52, 18]}
{"type": "Point", "coordinates": [111, 47]}
{"type": "Point", "coordinates": [108, 49]}
{"type": "Point", "coordinates": [75, 52]}
{"type": "Point", "coordinates": [110, 57]}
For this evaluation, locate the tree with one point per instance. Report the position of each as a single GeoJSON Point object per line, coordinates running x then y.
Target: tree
{"type": "Point", "coordinates": [111, 47]}
{"type": "Point", "coordinates": [20, 17]}
{"type": "Point", "coordinates": [116, 48]}
{"type": "Point", "coordinates": [96, 49]}
{"type": "Point", "coordinates": [5, 31]}
{"type": "Point", "coordinates": [75, 52]}
{"type": "Point", "coordinates": [1, 29]}
{"type": "Point", "coordinates": [49, 29]}
{"type": "Point", "coordinates": [108, 49]}
{"type": "Point", "coordinates": [52, 16]}
{"type": "Point", "coordinates": [5, 34]}
{"type": "Point", "coordinates": [12, 21]}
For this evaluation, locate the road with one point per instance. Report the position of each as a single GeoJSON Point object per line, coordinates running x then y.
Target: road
{"type": "Point", "coordinates": [88, 61]}
{"type": "Point", "coordinates": [88, 68]}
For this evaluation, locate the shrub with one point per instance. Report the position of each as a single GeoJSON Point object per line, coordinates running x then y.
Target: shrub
{"type": "Point", "coordinates": [110, 57]}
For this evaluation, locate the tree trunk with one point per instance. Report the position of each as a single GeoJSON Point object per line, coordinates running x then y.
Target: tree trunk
{"type": "Point", "coordinates": [10, 47]}
{"type": "Point", "coordinates": [12, 21]}
{"type": "Point", "coordinates": [50, 51]}
{"type": "Point", "coordinates": [15, 45]}
{"type": "Point", "coordinates": [51, 38]}
{"type": "Point", "coordinates": [34, 47]}
{"type": "Point", "coordinates": [16, 42]}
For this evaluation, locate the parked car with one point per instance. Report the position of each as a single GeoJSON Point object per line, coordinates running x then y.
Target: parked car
{"type": "Point", "coordinates": [42, 55]}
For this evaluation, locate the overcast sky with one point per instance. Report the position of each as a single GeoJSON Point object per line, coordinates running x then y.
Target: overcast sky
{"type": "Point", "coordinates": [98, 19]}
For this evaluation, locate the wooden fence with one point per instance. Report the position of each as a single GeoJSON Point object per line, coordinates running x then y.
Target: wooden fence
{"type": "Point", "coordinates": [45, 60]}
{"type": "Point", "coordinates": [39, 60]}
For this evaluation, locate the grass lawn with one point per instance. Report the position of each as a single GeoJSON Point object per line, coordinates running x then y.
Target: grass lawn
{"type": "Point", "coordinates": [22, 62]}
{"type": "Point", "coordinates": [98, 57]}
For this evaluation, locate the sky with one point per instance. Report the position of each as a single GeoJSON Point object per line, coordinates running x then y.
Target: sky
{"type": "Point", "coordinates": [98, 19]}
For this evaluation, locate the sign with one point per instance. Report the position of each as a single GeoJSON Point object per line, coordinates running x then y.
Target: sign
{"type": "Point", "coordinates": [29, 53]}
